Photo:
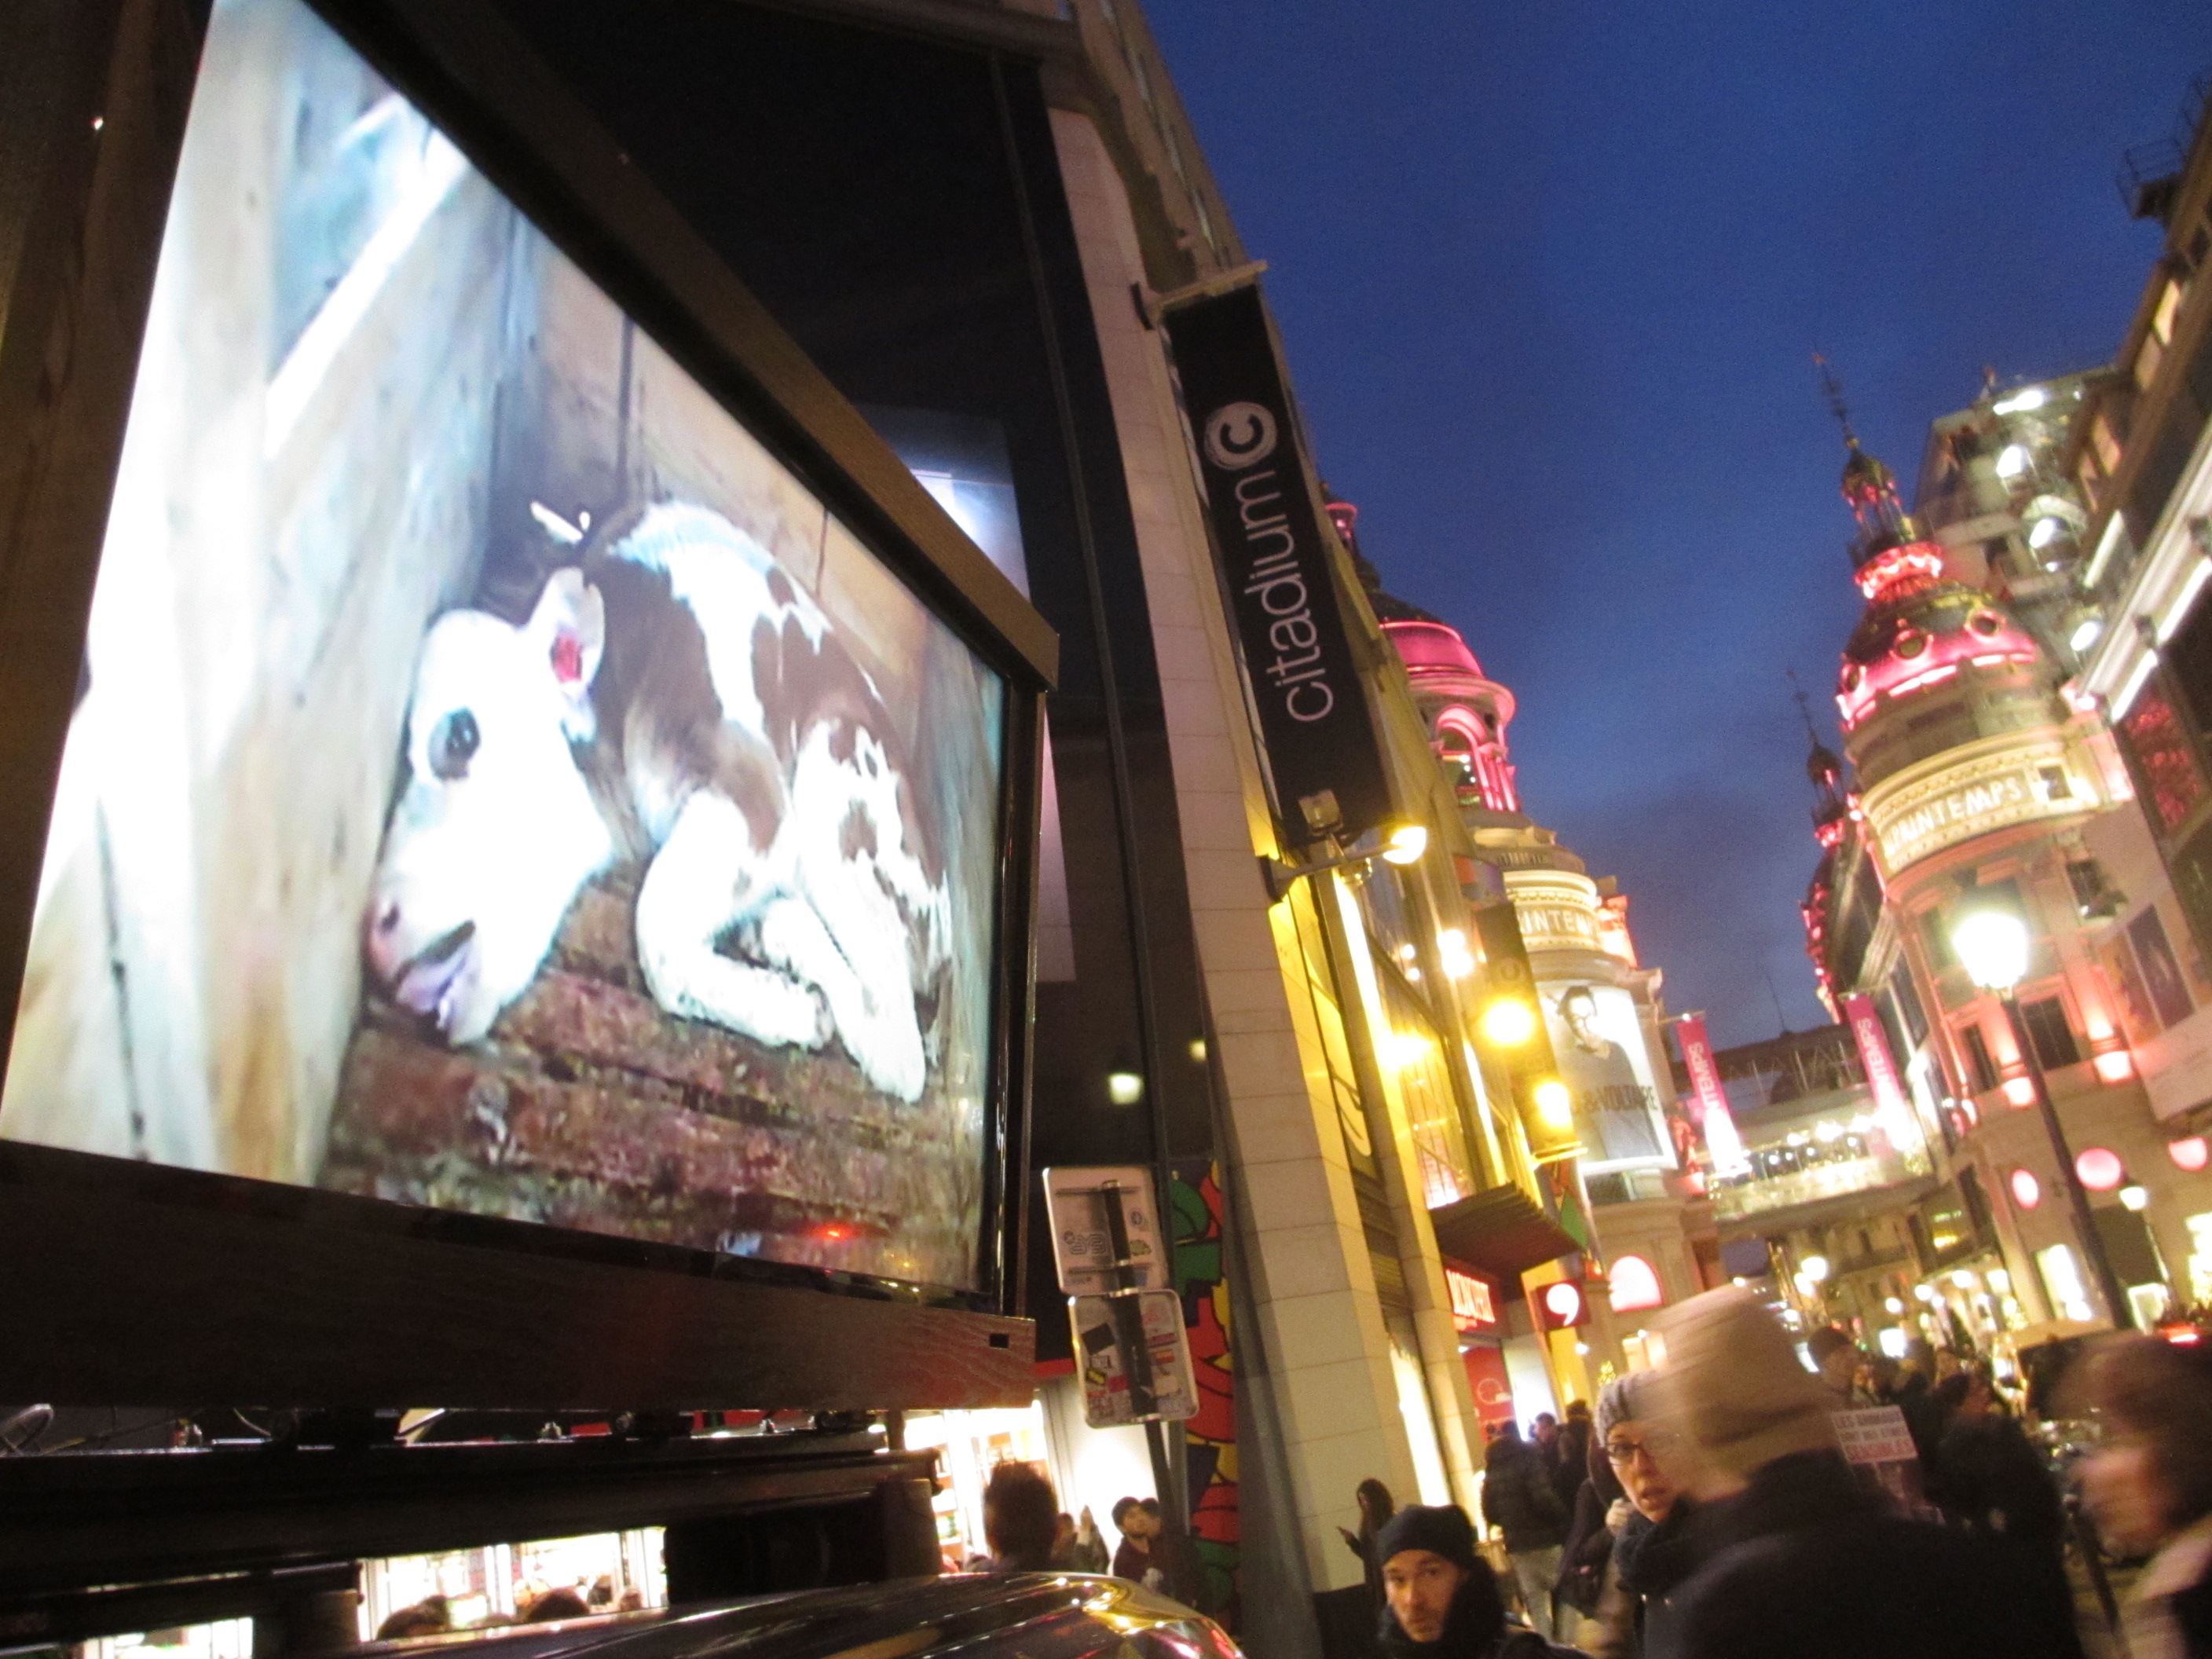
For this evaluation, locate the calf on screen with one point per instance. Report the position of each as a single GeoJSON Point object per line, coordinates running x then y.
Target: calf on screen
{"type": "Point", "coordinates": [674, 698]}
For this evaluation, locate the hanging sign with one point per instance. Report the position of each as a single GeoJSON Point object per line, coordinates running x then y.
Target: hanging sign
{"type": "Point", "coordinates": [1277, 568]}
{"type": "Point", "coordinates": [1104, 1328]}
{"type": "Point", "coordinates": [1076, 1201]}
{"type": "Point", "coordinates": [1715, 1121]}
{"type": "Point", "coordinates": [1891, 1110]}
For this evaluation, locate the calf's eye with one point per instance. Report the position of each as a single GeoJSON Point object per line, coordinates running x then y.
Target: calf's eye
{"type": "Point", "coordinates": [453, 742]}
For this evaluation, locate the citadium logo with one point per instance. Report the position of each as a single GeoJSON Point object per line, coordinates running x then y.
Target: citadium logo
{"type": "Point", "coordinates": [1238, 436]}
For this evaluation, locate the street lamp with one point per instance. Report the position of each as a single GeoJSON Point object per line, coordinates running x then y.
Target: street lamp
{"type": "Point", "coordinates": [1402, 843]}
{"type": "Point", "coordinates": [1992, 940]}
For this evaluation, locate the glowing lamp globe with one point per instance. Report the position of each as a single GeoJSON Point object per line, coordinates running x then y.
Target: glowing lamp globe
{"type": "Point", "coordinates": [2026, 1190]}
{"type": "Point", "coordinates": [2099, 1169]}
{"type": "Point", "coordinates": [2191, 1154]}
{"type": "Point", "coordinates": [1555, 1103]}
{"type": "Point", "coordinates": [1509, 1022]}
{"type": "Point", "coordinates": [1405, 843]}
{"type": "Point", "coordinates": [1990, 940]}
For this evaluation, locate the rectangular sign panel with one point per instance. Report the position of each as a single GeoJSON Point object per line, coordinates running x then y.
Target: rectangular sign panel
{"type": "Point", "coordinates": [1276, 563]}
{"type": "Point", "coordinates": [1715, 1121]}
{"type": "Point", "coordinates": [1101, 1350]}
{"type": "Point", "coordinates": [1083, 1255]}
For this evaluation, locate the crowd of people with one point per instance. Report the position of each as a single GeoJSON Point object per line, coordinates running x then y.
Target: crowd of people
{"type": "Point", "coordinates": [1706, 1511]}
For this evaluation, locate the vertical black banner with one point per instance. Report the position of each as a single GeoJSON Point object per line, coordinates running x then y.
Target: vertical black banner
{"type": "Point", "coordinates": [1322, 756]}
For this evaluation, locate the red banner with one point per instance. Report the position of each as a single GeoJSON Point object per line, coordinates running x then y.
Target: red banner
{"type": "Point", "coordinates": [1891, 1110]}
{"type": "Point", "coordinates": [1715, 1121]}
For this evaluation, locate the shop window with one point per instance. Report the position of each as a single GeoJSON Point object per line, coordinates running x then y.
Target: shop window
{"type": "Point", "coordinates": [1984, 1069]}
{"type": "Point", "coordinates": [1936, 941]}
{"type": "Point", "coordinates": [2165, 759]}
{"type": "Point", "coordinates": [2200, 1256]}
{"type": "Point", "coordinates": [2062, 1283]}
{"type": "Point", "coordinates": [2047, 1030]}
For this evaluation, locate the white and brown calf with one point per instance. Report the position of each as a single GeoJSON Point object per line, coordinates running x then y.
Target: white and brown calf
{"type": "Point", "coordinates": [673, 697]}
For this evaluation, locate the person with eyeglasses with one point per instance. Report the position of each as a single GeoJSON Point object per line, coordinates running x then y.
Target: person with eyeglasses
{"type": "Point", "coordinates": [1652, 1549]}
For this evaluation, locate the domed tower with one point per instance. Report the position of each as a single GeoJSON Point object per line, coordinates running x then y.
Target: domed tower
{"type": "Point", "coordinates": [1932, 663]}
{"type": "Point", "coordinates": [1465, 710]}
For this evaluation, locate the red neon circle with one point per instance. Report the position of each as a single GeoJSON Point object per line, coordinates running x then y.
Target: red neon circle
{"type": "Point", "coordinates": [2100, 1168]}
{"type": "Point", "coordinates": [2191, 1154]}
{"type": "Point", "coordinates": [2026, 1190]}
{"type": "Point", "coordinates": [1563, 1302]}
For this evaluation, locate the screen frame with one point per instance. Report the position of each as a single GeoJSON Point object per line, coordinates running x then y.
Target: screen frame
{"type": "Point", "coordinates": [134, 1277]}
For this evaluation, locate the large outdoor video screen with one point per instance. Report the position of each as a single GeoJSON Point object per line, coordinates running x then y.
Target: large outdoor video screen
{"type": "Point", "coordinates": [497, 782]}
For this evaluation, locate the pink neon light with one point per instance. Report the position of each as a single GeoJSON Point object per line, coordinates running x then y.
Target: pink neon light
{"type": "Point", "coordinates": [2026, 1190]}
{"type": "Point", "coordinates": [2191, 1154]}
{"type": "Point", "coordinates": [2115, 1064]}
{"type": "Point", "coordinates": [2099, 1169]}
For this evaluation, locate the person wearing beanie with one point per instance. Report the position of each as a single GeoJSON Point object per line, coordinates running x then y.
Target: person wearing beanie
{"type": "Point", "coordinates": [1653, 1551]}
{"type": "Point", "coordinates": [1440, 1597]}
{"type": "Point", "coordinates": [1794, 1556]}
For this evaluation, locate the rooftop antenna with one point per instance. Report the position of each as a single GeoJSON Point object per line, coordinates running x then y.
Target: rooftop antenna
{"type": "Point", "coordinates": [1804, 707]}
{"type": "Point", "coordinates": [1835, 405]}
{"type": "Point", "coordinates": [1775, 996]}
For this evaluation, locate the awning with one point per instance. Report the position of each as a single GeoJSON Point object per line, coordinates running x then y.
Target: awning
{"type": "Point", "coordinates": [1502, 1230]}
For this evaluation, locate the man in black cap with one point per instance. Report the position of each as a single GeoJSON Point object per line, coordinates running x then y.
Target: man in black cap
{"type": "Point", "coordinates": [1441, 1600]}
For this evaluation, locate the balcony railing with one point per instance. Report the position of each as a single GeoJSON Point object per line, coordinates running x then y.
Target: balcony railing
{"type": "Point", "coordinates": [1756, 1194]}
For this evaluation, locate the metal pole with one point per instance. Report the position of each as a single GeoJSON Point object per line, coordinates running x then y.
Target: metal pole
{"type": "Point", "coordinates": [2077, 1196]}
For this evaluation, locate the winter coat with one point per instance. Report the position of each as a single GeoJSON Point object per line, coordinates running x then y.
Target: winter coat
{"type": "Point", "coordinates": [1649, 1560]}
{"type": "Point", "coordinates": [2169, 1611]}
{"type": "Point", "coordinates": [1988, 1476]}
{"type": "Point", "coordinates": [1803, 1564]}
{"type": "Point", "coordinates": [1517, 1495]}
{"type": "Point", "coordinates": [1570, 1459]}
{"type": "Point", "coordinates": [1590, 1547]}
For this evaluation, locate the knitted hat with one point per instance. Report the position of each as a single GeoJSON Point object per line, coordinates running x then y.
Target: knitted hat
{"type": "Point", "coordinates": [1733, 1385]}
{"type": "Point", "coordinates": [1627, 1398]}
{"type": "Point", "coordinates": [1444, 1530]}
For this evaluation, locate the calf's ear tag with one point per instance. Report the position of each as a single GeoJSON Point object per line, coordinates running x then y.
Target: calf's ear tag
{"type": "Point", "coordinates": [567, 656]}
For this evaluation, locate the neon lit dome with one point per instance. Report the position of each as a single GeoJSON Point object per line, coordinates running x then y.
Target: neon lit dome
{"type": "Point", "coordinates": [1431, 645]}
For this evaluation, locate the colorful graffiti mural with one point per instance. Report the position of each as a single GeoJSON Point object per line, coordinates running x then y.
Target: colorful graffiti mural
{"type": "Point", "coordinates": [1210, 1437]}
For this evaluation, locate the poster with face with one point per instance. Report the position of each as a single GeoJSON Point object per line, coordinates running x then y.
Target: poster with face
{"type": "Point", "coordinates": [1602, 1060]}
{"type": "Point", "coordinates": [2161, 972]}
{"type": "Point", "coordinates": [498, 784]}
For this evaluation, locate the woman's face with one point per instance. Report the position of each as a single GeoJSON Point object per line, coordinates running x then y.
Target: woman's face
{"type": "Point", "coordinates": [2120, 1483]}
{"type": "Point", "coordinates": [1637, 1452]}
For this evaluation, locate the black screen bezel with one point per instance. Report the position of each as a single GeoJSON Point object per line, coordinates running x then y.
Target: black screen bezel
{"type": "Point", "coordinates": [175, 1233]}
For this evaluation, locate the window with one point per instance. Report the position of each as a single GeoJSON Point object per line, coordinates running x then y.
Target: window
{"type": "Point", "coordinates": [1978, 1058]}
{"type": "Point", "coordinates": [2048, 1030]}
{"type": "Point", "coordinates": [1908, 1005]}
{"type": "Point", "coordinates": [1936, 941]}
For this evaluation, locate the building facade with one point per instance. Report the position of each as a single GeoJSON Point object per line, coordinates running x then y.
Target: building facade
{"type": "Point", "coordinates": [1975, 768]}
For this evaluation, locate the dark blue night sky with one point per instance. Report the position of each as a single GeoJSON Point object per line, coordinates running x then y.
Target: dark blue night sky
{"type": "Point", "coordinates": [1550, 276]}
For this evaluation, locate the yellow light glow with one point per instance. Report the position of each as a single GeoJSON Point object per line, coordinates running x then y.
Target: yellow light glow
{"type": "Point", "coordinates": [1508, 1022]}
{"type": "Point", "coordinates": [1405, 843]}
{"type": "Point", "coordinates": [1401, 1048]}
{"type": "Point", "coordinates": [1555, 1103]}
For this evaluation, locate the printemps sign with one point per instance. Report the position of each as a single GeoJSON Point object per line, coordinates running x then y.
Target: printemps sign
{"type": "Point", "coordinates": [1912, 818]}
